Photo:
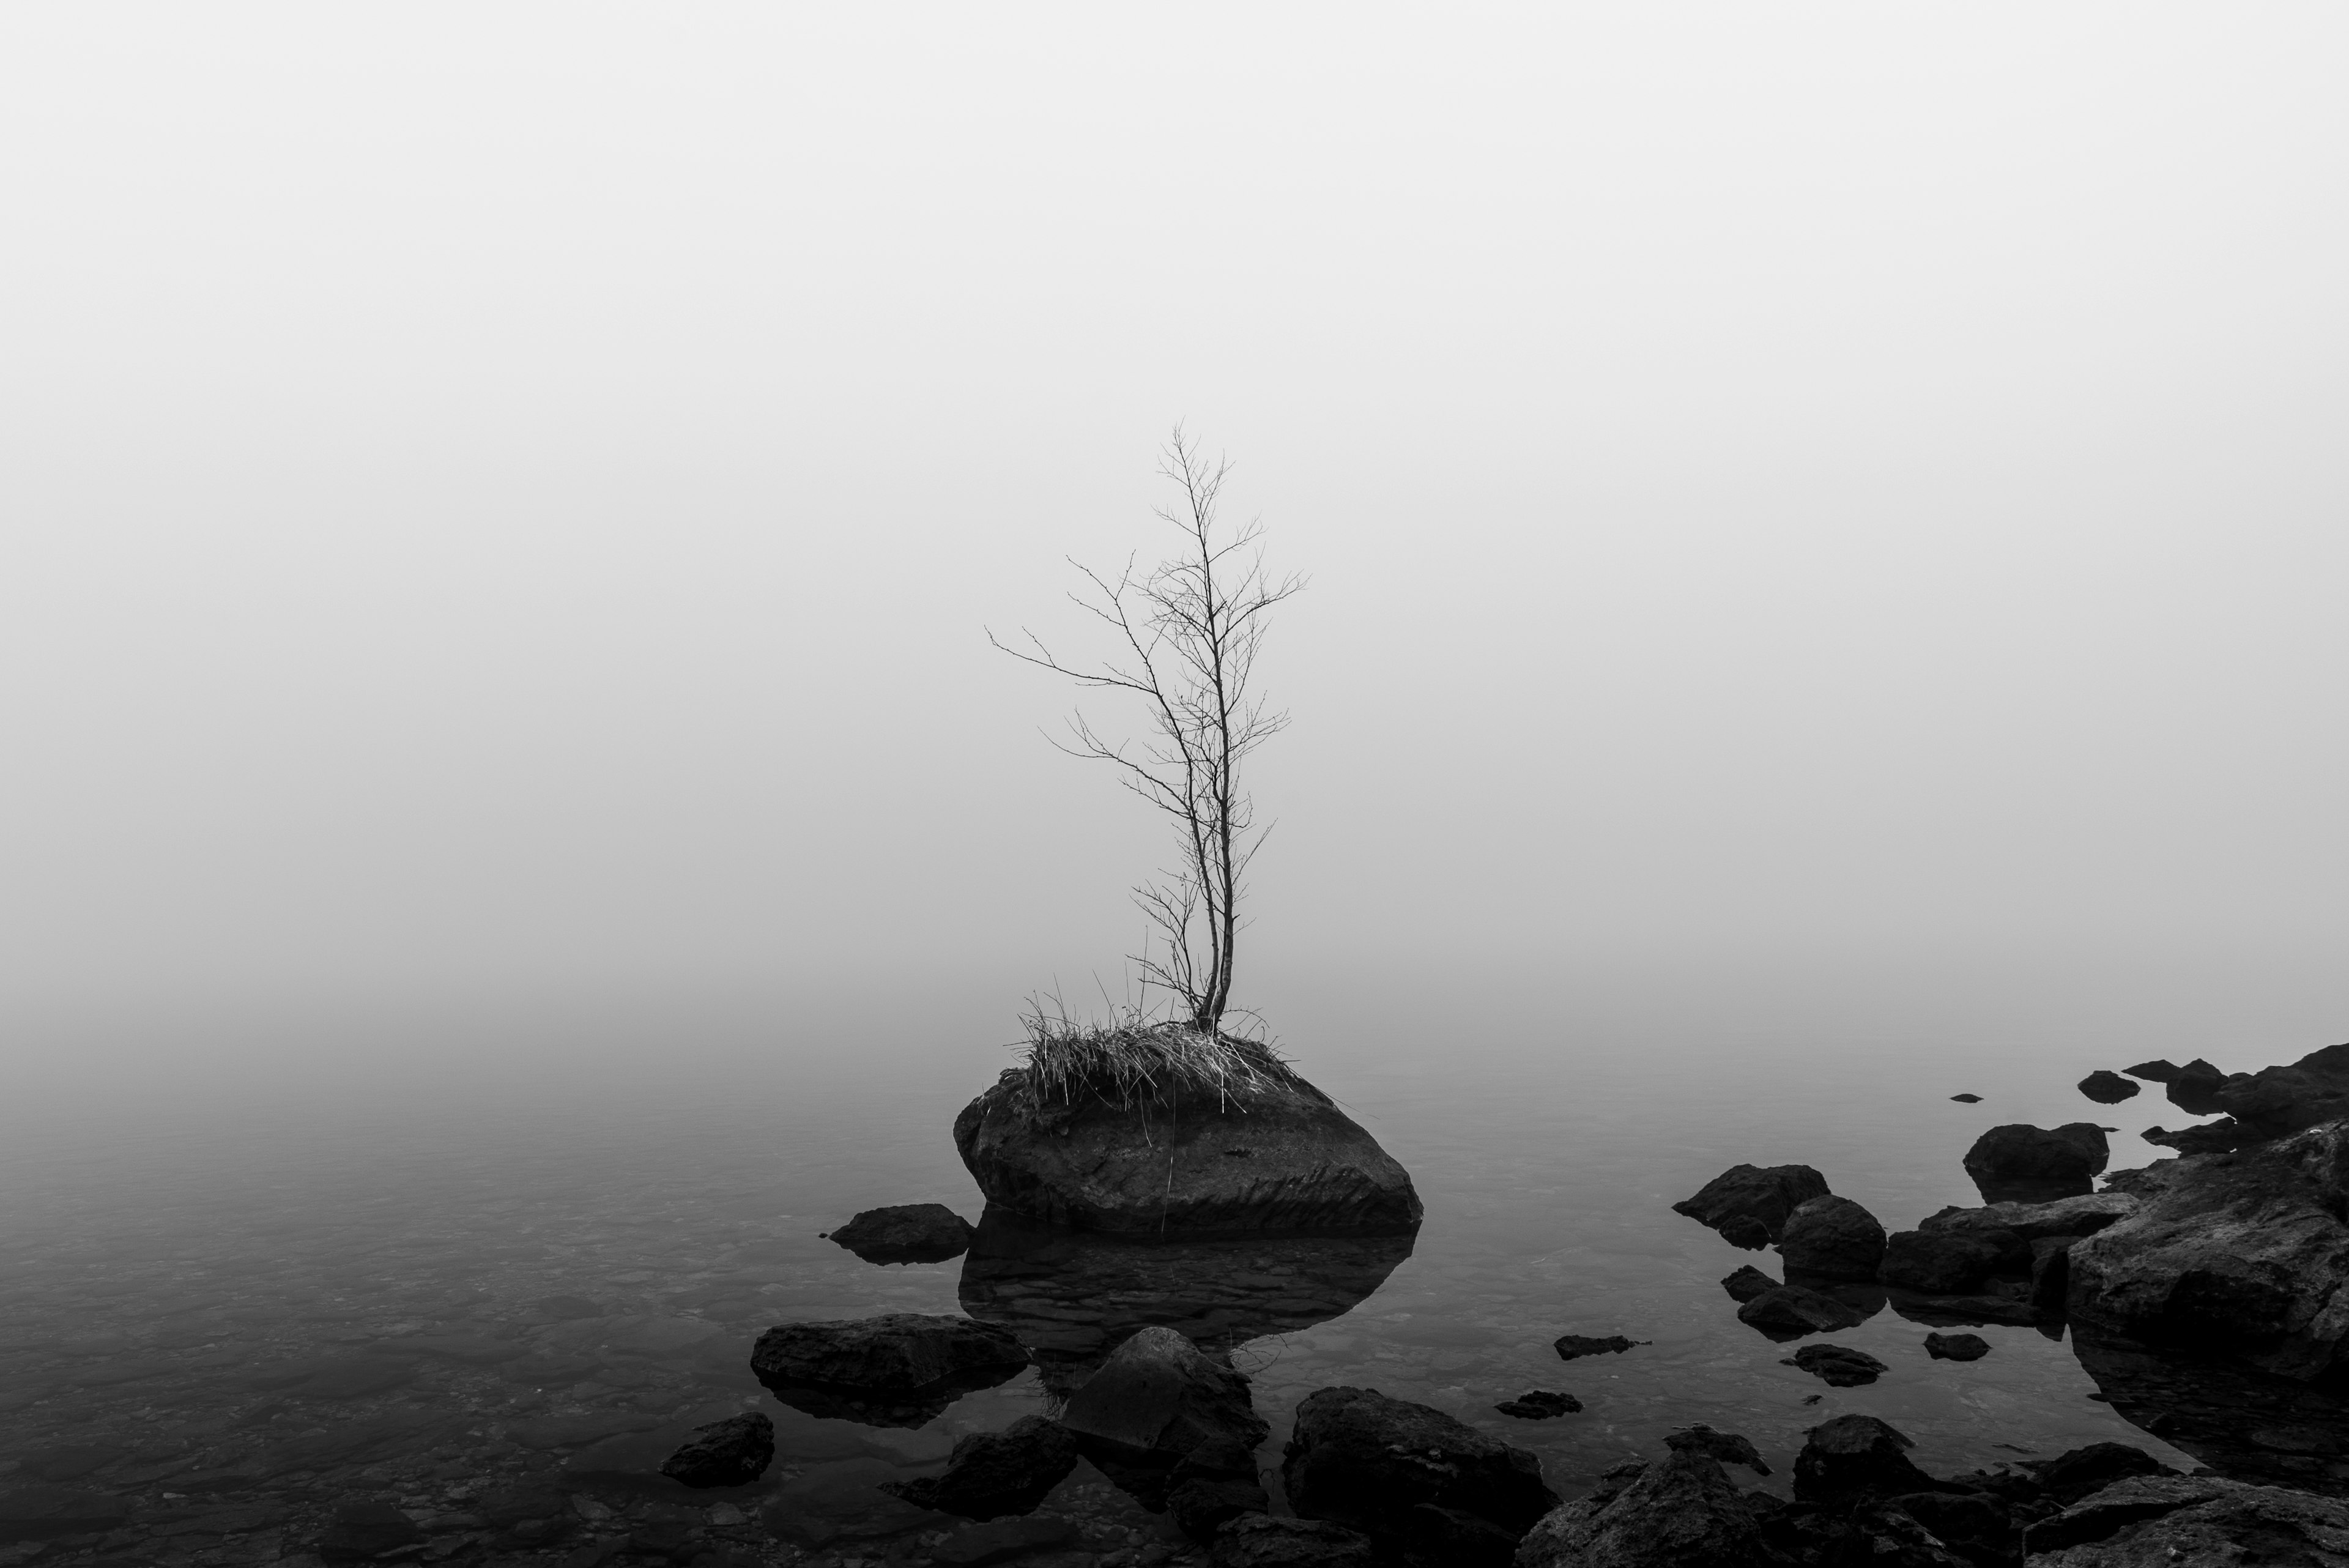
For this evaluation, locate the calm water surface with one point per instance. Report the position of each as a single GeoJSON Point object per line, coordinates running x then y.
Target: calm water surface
{"type": "Point", "coordinates": [269, 1283]}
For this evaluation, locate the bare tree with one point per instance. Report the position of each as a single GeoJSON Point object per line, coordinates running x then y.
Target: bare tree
{"type": "Point", "coordinates": [1190, 631]}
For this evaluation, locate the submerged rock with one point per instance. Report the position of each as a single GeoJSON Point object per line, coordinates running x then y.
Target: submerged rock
{"type": "Point", "coordinates": [2245, 1424]}
{"type": "Point", "coordinates": [2018, 1161]}
{"type": "Point", "coordinates": [906, 1233]}
{"type": "Point", "coordinates": [991, 1474]}
{"type": "Point", "coordinates": [2244, 1255]}
{"type": "Point", "coordinates": [1748, 1204]}
{"type": "Point", "coordinates": [2107, 1089]}
{"type": "Point", "coordinates": [1279, 1157]}
{"type": "Point", "coordinates": [42, 1511]}
{"type": "Point", "coordinates": [1832, 1237]}
{"type": "Point", "coordinates": [1540, 1405]}
{"type": "Point", "coordinates": [1838, 1366]}
{"type": "Point", "coordinates": [733, 1452]}
{"type": "Point", "coordinates": [1956, 1347]}
{"type": "Point", "coordinates": [359, 1531]}
{"type": "Point", "coordinates": [1570, 1346]}
{"type": "Point", "coordinates": [1967, 1099]}
{"type": "Point", "coordinates": [1401, 1471]}
{"type": "Point", "coordinates": [1792, 1311]}
{"type": "Point", "coordinates": [900, 1369]}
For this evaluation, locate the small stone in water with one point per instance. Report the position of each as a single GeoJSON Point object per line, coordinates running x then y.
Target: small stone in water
{"type": "Point", "coordinates": [1569, 1346]}
{"type": "Point", "coordinates": [1967, 1099]}
{"type": "Point", "coordinates": [1540, 1405]}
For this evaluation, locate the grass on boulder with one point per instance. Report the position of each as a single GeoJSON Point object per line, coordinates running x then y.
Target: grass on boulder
{"type": "Point", "coordinates": [1133, 1061]}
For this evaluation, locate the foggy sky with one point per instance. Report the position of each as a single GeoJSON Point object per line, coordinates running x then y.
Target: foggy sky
{"type": "Point", "coordinates": [511, 497]}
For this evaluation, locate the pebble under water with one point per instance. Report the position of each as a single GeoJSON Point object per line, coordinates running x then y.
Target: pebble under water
{"type": "Point", "coordinates": [493, 1297]}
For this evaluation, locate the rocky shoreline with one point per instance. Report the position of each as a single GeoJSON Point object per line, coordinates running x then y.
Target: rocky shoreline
{"type": "Point", "coordinates": [2197, 1294]}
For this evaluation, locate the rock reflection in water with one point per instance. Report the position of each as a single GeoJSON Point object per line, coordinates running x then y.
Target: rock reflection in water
{"type": "Point", "coordinates": [1074, 1297]}
{"type": "Point", "coordinates": [2245, 1424]}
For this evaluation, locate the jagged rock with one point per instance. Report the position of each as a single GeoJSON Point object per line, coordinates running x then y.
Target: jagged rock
{"type": "Point", "coordinates": [1682, 1512]}
{"type": "Point", "coordinates": [359, 1531]}
{"type": "Point", "coordinates": [2222, 1136]}
{"type": "Point", "coordinates": [1539, 1405]}
{"type": "Point", "coordinates": [1156, 1398]}
{"type": "Point", "coordinates": [990, 1474]}
{"type": "Point", "coordinates": [1570, 1346]}
{"type": "Point", "coordinates": [1956, 1347]}
{"type": "Point", "coordinates": [733, 1452]}
{"type": "Point", "coordinates": [1857, 1454]}
{"type": "Point", "coordinates": [1979, 1525]}
{"type": "Point", "coordinates": [1212, 1485]}
{"type": "Point", "coordinates": [1726, 1447]}
{"type": "Point", "coordinates": [1368, 1462]}
{"type": "Point", "coordinates": [2276, 1101]}
{"type": "Point", "coordinates": [906, 1233]}
{"type": "Point", "coordinates": [1832, 1237]}
{"type": "Point", "coordinates": [1249, 1161]}
{"type": "Point", "coordinates": [1839, 1366]}
{"type": "Point", "coordinates": [2240, 1253]}
{"type": "Point", "coordinates": [1748, 1283]}
{"type": "Point", "coordinates": [1791, 1310]}
{"type": "Point", "coordinates": [2192, 1520]}
{"type": "Point", "coordinates": [897, 1369]}
{"type": "Point", "coordinates": [2018, 1161]}
{"type": "Point", "coordinates": [1260, 1541]}
{"type": "Point", "coordinates": [2107, 1089]}
{"type": "Point", "coordinates": [1748, 1204]}
{"type": "Point", "coordinates": [1941, 1263]}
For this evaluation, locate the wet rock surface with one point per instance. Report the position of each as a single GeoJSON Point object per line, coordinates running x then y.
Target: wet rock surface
{"type": "Point", "coordinates": [2021, 1162]}
{"type": "Point", "coordinates": [2169, 1519]}
{"type": "Point", "coordinates": [1398, 1471]}
{"type": "Point", "coordinates": [1956, 1347]}
{"type": "Point", "coordinates": [2106, 1087]}
{"type": "Point", "coordinates": [990, 1474]}
{"type": "Point", "coordinates": [1158, 1396]}
{"type": "Point", "coordinates": [905, 1233]}
{"type": "Point", "coordinates": [1832, 1237]}
{"type": "Point", "coordinates": [1280, 1159]}
{"type": "Point", "coordinates": [896, 1369]}
{"type": "Point", "coordinates": [1792, 1310]}
{"type": "Point", "coordinates": [1749, 1204]}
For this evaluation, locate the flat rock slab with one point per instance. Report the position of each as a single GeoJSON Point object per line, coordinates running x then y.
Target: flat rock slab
{"type": "Point", "coordinates": [1839, 1365]}
{"type": "Point", "coordinates": [1540, 1405]}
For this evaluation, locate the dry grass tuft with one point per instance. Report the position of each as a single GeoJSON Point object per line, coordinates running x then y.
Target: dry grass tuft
{"type": "Point", "coordinates": [1133, 1061]}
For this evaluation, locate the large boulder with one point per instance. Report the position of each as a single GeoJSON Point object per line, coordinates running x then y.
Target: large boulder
{"type": "Point", "coordinates": [1682, 1512]}
{"type": "Point", "coordinates": [2245, 1255]}
{"type": "Point", "coordinates": [1277, 1157]}
{"type": "Point", "coordinates": [990, 1474]}
{"type": "Point", "coordinates": [906, 1233]}
{"type": "Point", "coordinates": [1940, 1262]}
{"type": "Point", "coordinates": [900, 1369]}
{"type": "Point", "coordinates": [1158, 1397]}
{"type": "Point", "coordinates": [2277, 1101]}
{"type": "Point", "coordinates": [1790, 1312]}
{"type": "Point", "coordinates": [2018, 1161]}
{"type": "Point", "coordinates": [2191, 1520]}
{"type": "Point", "coordinates": [1749, 1204]}
{"type": "Point", "coordinates": [1399, 1471]}
{"type": "Point", "coordinates": [1832, 1237]}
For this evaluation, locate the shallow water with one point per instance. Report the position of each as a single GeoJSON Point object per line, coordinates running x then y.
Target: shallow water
{"type": "Point", "coordinates": [243, 1291]}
